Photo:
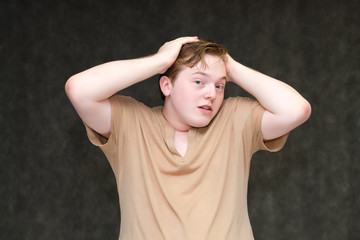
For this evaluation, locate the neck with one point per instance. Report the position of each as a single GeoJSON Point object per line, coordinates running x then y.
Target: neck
{"type": "Point", "coordinates": [172, 119]}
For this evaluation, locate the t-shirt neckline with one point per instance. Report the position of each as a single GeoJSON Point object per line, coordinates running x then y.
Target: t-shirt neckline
{"type": "Point", "coordinates": [168, 134]}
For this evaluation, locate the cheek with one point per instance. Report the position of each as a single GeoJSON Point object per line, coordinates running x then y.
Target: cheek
{"type": "Point", "coordinates": [184, 94]}
{"type": "Point", "coordinates": [180, 99]}
{"type": "Point", "coordinates": [219, 101]}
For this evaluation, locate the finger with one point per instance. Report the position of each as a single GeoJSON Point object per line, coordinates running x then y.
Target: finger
{"type": "Point", "coordinates": [184, 40]}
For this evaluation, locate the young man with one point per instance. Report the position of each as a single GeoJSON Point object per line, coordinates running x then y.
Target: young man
{"type": "Point", "coordinates": [182, 169]}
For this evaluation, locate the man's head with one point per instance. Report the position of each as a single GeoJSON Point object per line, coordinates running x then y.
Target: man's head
{"type": "Point", "coordinates": [194, 85]}
{"type": "Point", "coordinates": [193, 53]}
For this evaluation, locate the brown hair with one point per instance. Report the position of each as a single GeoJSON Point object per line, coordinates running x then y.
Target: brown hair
{"type": "Point", "coordinates": [193, 53]}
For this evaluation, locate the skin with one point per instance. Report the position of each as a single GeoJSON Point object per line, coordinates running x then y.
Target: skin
{"type": "Point", "coordinates": [195, 96]}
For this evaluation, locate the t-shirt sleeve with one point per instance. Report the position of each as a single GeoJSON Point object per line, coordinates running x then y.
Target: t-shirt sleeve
{"type": "Point", "coordinates": [248, 114]}
{"type": "Point", "coordinates": [97, 139]}
{"type": "Point", "coordinates": [272, 145]}
{"type": "Point", "coordinates": [121, 107]}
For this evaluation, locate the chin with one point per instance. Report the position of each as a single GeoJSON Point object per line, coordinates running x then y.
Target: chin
{"type": "Point", "coordinates": [200, 124]}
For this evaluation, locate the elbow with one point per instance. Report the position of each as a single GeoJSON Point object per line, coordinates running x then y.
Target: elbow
{"type": "Point", "coordinates": [72, 88]}
{"type": "Point", "coordinates": [306, 110]}
{"type": "Point", "coordinates": [69, 86]}
{"type": "Point", "coordinates": [303, 112]}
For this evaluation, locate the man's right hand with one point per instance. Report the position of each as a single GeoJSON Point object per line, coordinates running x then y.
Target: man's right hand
{"type": "Point", "coordinates": [170, 50]}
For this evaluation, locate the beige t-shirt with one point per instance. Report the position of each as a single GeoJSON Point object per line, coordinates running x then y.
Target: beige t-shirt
{"type": "Point", "coordinates": [201, 196]}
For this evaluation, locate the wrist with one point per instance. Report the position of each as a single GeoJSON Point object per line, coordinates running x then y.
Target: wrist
{"type": "Point", "coordinates": [231, 66]}
{"type": "Point", "coordinates": [161, 62]}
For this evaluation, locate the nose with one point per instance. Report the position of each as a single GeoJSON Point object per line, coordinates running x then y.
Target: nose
{"type": "Point", "coordinates": [210, 91]}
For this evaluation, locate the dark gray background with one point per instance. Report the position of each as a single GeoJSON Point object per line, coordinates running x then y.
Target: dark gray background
{"type": "Point", "coordinates": [56, 185]}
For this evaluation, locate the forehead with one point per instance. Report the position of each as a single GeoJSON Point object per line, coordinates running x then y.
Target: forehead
{"type": "Point", "coordinates": [212, 66]}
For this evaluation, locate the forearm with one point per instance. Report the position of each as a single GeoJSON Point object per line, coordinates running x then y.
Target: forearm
{"type": "Point", "coordinates": [286, 108]}
{"type": "Point", "coordinates": [274, 95]}
{"type": "Point", "coordinates": [101, 82]}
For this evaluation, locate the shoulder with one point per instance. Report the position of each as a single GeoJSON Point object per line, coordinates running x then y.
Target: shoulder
{"type": "Point", "coordinates": [126, 104]}
{"type": "Point", "coordinates": [123, 100]}
{"type": "Point", "coordinates": [242, 112]}
{"type": "Point", "coordinates": [240, 104]}
{"type": "Point", "coordinates": [129, 111]}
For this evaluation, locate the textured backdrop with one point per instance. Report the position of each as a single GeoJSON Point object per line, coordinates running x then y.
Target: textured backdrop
{"type": "Point", "coordinates": [56, 185]}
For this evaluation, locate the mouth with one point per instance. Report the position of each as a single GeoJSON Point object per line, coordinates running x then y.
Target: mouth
{"type": "Point", "coordinates": [206, 108]}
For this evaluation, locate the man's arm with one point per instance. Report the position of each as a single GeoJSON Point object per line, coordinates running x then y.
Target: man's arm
{"type": "Point", "coordinates": [285, 108]}
{"type": "Point", "coordinates": [90, 90]}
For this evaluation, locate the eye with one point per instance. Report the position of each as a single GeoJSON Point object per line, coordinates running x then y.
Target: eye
{"type": "Point", "coordinates": [198, 82]}
{"type": "Point", "coordinates": [220, 87]}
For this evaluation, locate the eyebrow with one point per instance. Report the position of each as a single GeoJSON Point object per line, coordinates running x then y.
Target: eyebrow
{"type": "Point", "coordinates": [207, 75]}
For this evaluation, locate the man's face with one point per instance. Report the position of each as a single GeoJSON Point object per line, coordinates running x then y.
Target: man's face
{"type": "Point", "coordinates": [196, 94]}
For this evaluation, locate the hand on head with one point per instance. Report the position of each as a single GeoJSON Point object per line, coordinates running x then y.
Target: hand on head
{"type": "Point", "coordinates": [170, 50]}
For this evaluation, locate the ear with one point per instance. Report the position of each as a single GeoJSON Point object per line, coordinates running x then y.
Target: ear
{"type": "Point", "coordinates": [165, 85]}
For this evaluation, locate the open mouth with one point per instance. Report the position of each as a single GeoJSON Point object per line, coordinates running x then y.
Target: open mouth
{"type": "Point", "coordinates": [206, 107]}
